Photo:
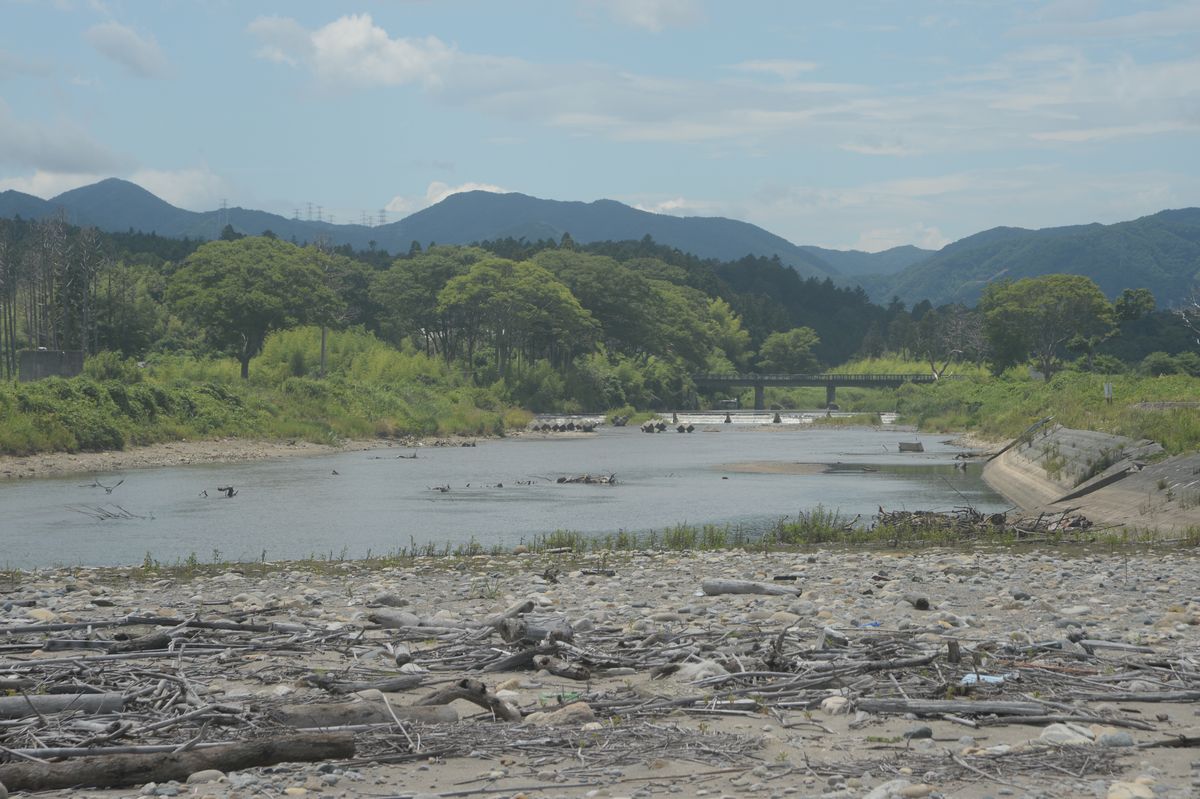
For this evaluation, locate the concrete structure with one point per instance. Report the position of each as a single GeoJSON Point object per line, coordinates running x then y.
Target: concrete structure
{"type": "Point", "coordinates": [39, 364]}
{"type": "Point", "coordinates": [830, 381]}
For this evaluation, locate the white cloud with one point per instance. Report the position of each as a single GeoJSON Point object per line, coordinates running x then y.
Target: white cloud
{"type": "Point", "coordinates": [13, 65]}
{"type": "Point", "coordinates": [919, 235]}
{"type": "Point", "coordinates": [877, 148]}
{"type": "Point", "coordinates": [49, 184]}
{"type": "Point", "coordinates": [353, 50]}
{"type": "Point", "coordinates": [439, 191]}
{"type": "Point", "coordinates": [434, 194]}
{"type": "Point", "coordinates": [780, 68]}
{"type": "Point", "coordinates": [1079, 20]}
{"type": "Point", "coordinates": [60, 148]}
{"type": "Point", "coordinates": [139, 55]}
{"type": "Point", "coordinates": [679, 206]}
{"type": "Point", "coordinates": [1021, 99]}
{"type": "Point", "coordinates": [650, 15]}
{"type": "Point", "coordinates": [196, 189]}
{"type": "Point", "coordinates": [1115, 132]}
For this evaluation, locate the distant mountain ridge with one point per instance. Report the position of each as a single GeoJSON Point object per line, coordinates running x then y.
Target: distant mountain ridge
{"type": "Point", "coordinates": [1160, 252]}
{"type": "Point", "coordinates": [118, 205]}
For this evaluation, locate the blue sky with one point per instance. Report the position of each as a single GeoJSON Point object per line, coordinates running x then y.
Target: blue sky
{"type": "Point", "coordinates": [861, 124]}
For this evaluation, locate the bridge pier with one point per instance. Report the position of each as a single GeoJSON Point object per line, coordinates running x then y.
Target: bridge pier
{"type": "Point", "coordinates": [830, 395]}
{"type": "Point", "coordinates": [760, 397]}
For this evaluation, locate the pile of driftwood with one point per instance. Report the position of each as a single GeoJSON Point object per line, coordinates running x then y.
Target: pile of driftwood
{"type": "Point", "coordinates": [968, 523]}
{"type": "Point", "coordinates": [132, 699]}
{"type": "Point", "coordinates": [589, 479]}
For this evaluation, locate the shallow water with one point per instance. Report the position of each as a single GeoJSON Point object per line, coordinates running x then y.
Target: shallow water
{"type": "Point", "coordinates": [378, 503]}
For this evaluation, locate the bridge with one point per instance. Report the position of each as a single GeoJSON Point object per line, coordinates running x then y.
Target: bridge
{"type": "Point", "coordinates": [830, 381]}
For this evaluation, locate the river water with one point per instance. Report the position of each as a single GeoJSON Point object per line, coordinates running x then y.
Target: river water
{"type": "Point", "coordinates": [500, 492]}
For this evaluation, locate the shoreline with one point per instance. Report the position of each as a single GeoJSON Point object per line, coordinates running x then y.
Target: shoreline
{"type": "Point", "coordinates": [184, 453]}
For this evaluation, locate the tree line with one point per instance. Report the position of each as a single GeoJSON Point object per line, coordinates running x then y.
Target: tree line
{"type": "Point", "coordinates": [556, 324]}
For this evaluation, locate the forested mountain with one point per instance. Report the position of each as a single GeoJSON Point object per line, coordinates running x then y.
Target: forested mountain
{"type": "Point", "coordinates": [852, 263]}
{"type": "Point", "coordinates": [1160, 252]}
{"type": "Point", "coordinates": [118, 205]}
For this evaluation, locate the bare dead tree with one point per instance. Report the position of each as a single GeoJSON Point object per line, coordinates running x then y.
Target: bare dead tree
{"type": "Point", "coordinates": [1189, 314]}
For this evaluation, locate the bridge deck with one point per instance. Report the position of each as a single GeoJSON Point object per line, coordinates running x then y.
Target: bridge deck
{"type": "Point", "coordinates": [825, 379]}
{"type": "Point", "coordinates": [829, 381]}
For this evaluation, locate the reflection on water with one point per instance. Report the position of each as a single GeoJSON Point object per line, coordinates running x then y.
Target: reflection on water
{"type": "Point", "coordinates": [500, 492]}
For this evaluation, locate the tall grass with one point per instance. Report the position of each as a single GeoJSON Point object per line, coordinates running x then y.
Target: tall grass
{"type": "Point", "coordinates": [370, 390]}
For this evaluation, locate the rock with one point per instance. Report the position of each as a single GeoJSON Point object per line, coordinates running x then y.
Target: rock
{"type": "Point", "coordinates": [207, 775]}
{"type": "Point", "coordinates": [919, 732]}
{"type": "Point", "coordinates": [835, 705]}
{"type": "Point", "coordinates": [915, 791]}
{"type": "Point", "coordinates": [1130, 790]}
{"type": "Point", "coordinates": [889, 790]}
{"type": "Point", "coordinates": [1067, 734]}
{"type": "Point", "coordinates": [1115, 739]}
{"type": "Point", "coordinates": [42, 614]}
{"type": "Point", "coordinates": [575, 713]}
{"type": "Point", "coordinates": [3, 791]}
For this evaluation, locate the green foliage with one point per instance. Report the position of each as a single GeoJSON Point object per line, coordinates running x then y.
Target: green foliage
{"type": "Point", "coordinates": [1037, 317]}
{"type": "Point", "coordinates": [1002, 407]}
{"type": "Point", "coordinates": [790, 352]}
{"type": "Point", "coordinates": [372, 390]}
{"type": "Point", "coordinates": [238, 291]}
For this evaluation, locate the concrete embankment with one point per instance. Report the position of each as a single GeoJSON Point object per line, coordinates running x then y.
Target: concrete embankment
{"type": "Point", "coordinates": [1110, 479]}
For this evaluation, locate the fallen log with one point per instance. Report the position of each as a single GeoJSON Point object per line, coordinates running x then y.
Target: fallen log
{"type": "Point", "coordinates": [476, 693]}
{"type": "Point", "coordinates": [120, 771]}
{"type": "Point", "coordinates": [388, 685]}
{"type": "Point", "coordinates": [716, 586]}
{"type": "Point", "coordinates": [18, 707]}
{"type": "Point", "coordinates": [341, 714]}
{"type": "Point", "coordinates": [936, 707]}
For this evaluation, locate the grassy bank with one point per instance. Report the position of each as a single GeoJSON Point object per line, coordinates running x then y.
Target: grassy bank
{"type": "Point", "coordinates": [809, 531]}
{"type": "Point", "coordinates": [1001, 407]}
{"type": "Point", "coordinates": [370, 390]}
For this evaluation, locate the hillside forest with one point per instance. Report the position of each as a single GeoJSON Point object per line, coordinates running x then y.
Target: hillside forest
{"type": "Point", "coordinates": [544, 326]}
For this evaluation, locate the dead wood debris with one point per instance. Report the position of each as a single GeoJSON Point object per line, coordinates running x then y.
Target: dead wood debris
{"type": "Point", "coordinates": [150, 684]}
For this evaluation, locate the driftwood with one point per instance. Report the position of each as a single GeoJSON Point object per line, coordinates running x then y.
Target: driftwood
{"type": "Point", "coordinates": [475, 692]}
{"type": "Point", "coordinates": [340, 714]}
{"type": "Point", "coordinates": [938, 707]}
{"type": "Point", "coordinates": [118, 771]}
{"type": "Point", "coordinates": [561, 668]}
{"type": "Point", "coordinates": [535, 629]}
{"type": "Point", "coordinates": [15, 707]}
{"type": "Point", "coordinates": [333, 685]}
{"type": "Point", "coordinates": [715, 587]}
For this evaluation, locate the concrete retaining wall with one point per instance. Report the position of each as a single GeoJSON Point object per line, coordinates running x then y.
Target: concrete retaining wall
{"type": "Point", "coordinates": [40, 364]}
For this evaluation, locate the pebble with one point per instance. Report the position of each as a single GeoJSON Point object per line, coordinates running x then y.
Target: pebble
{"type": "Point", "coordinates": [207, 775]}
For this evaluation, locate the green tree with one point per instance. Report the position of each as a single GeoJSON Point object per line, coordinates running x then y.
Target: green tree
{"type": "Point", "coordinates": [407, 296]}
{"type": "Point", "coordinates": [239, 291]}
{"type": "Point", "coordinates": [1133, 304]}
{"type": "Point", "coordinates": [1036, 317]}
{"type": "Point", "coordinates": [790, 352]}
{"type": "Point", "coordinates": [727, 333]}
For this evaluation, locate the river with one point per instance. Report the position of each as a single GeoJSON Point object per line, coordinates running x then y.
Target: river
{"type": "Point", "coordinates": [499, 492]}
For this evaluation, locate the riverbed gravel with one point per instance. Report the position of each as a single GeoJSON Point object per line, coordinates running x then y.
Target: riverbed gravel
{"type": "Point", "coordinates": [1030, 625]}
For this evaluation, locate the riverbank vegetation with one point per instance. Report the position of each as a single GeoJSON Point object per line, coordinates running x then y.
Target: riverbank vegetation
{"type": "Point", "coordinates": [254, 336]}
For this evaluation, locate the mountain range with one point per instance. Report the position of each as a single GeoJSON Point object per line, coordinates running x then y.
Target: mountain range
{"type": "Point", "coordinates": [1160, 252]}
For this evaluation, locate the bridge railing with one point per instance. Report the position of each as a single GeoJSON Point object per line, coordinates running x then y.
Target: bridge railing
{"type": "Point", "coordinates": [841, 379]}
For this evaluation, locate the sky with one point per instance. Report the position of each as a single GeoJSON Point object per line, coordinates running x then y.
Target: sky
{"type": "Point", "coordinates": [861, 125]}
